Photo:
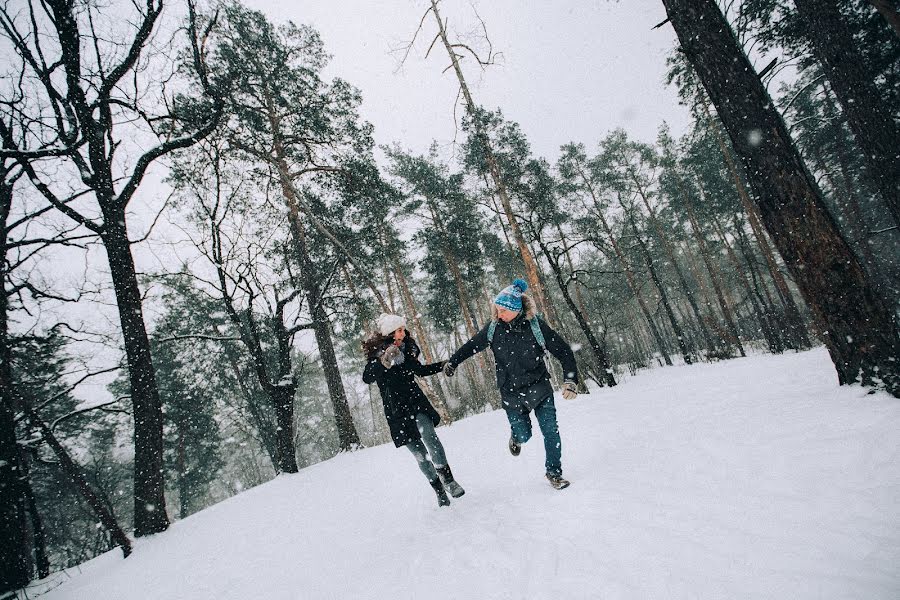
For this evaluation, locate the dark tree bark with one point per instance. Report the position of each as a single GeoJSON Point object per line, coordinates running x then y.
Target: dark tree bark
{"type": "Point", "coordinates": [149, 484]}
{"type": "Point", "coordinates": [853, 82]}
{"type": "Point", "coordinates": [73, 471]}
{"type": "Point", "coordinates": [889, 13]}
{"type": "Point", "coordinates": [14, 572]}
{"type": "Point", "coordinates": [348, 438]}
{"type": "Point", "coordinates": [88, 104]}
{"type": "Point", "coordinates": [724, 306]}
{"type": "Point", "coordinates": [13, 540]}
{"type": "Point", "coordinates": [598, 348]}
{"type": "Point", "coordinates": [859, 330]}
{"type": "Point", "coordinates": [663, 296]}
{"type": "Point", "coordinates": [38, 533]}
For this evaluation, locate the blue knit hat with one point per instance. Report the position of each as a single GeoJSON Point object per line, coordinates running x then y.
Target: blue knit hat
{"type": "Point", "coordinates": [511, 296]}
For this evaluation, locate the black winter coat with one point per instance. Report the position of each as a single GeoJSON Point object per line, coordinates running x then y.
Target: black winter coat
{"type": "Point", "coordinates": [522, 376]}
{"type": "Point", "coordinates": [402, 397]}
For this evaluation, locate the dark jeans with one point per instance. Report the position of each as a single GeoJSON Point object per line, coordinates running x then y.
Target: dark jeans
{"type": "Point", "coordinates": [520, 423]}
{"type": "Point", "coordinates": [428, 444]}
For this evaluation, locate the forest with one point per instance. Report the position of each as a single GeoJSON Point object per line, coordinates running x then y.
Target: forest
{"type": "Point", "coordinates": [771, 226]}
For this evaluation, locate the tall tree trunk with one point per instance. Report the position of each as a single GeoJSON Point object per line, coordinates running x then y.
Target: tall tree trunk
{"type": "Point", "coordinates": [14, 573]}
{"type": "Point", "coordinates": [861, 333]}
{"type": "Point", "coordinates": [889, 13]}
{"type": "Point", "coordinates": [266, 435]}
{"type": "Point", "coordinates": [795, 321]}
{"type": "Point", "coordinates": [597, 347]}
{"type": "Point", "coordinates": [149, 484]}
{"type": "Point", "coordinates": [853, 82]}
{"type": "Point", "coordinates": [38, 533]}
{"type": "Point", "coordinates": [763, 317]}
{"type": "Point", "coordinates": [283, 401]}
{"type": "Point", "coordinates": [713, 276]}
{"type": "Point", "coordinates": [663, 296]}
{"type": "Point", "coordinates": [182, 478]}
{"type": "Point", "coordinates": [629, 276]}
{"type": "Point", "coordinates": [494, 169]}
{"type": "Point", "coordinates": [348, 438]}
{"type": "Point", "coordinates": [670, 253]}
{"type": "Point", "coordinates": [73, 471]}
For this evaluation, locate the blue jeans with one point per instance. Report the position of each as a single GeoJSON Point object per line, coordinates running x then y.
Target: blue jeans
{"type": "Point", "coordinates": [429, 444]}
{"type": "Point", "coordinates": [520, 423]}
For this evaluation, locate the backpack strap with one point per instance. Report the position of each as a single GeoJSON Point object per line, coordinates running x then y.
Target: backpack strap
{"type": "Point", "coordinates": [538, 334]}
{"type": "Point", "coordinates": [492, 327]}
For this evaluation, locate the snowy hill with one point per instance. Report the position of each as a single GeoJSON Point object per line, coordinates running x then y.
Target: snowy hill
{"type": "Point", "coordinates": [752, 478]}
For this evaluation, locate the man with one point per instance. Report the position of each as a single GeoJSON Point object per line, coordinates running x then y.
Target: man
{"type": "Point", "coordinates": [519, 339]}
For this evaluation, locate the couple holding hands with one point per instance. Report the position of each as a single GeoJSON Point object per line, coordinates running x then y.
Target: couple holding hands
{"type": "Point", "coordinates": [519, 339]}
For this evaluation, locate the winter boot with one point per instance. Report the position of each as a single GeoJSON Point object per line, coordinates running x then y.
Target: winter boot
{"type": "Point", "coordinates": [450, 484]}
{"type": "Point", "coordinates": [443, 500]}
{"type": "Point", "coordinates": [514, 446]}
{"type": "Point", "coordinates": [557, 481]}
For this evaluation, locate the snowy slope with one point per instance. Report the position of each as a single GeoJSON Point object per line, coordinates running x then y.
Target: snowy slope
{"type": "Point", "coordinates": [752, 478]}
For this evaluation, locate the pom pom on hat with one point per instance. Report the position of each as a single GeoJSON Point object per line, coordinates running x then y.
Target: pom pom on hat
{"type": "Point", "coordinates": [388, 324]}
{"type": "Point", "coordinates": [511, 296]}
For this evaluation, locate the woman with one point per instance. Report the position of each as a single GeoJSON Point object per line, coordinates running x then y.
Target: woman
{"type": "Point", "coordinates": [393, 362]}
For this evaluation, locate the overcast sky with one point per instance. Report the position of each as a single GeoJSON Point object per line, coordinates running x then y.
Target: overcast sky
{"type": "Point", "coordinates": [571, 70]}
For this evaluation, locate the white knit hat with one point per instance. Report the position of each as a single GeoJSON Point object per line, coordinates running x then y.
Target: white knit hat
{"type": "Point", "coordinates": [388, 324]}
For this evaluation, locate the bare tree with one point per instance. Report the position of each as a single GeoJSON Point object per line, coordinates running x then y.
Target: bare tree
{"type": "Point", "coordinates": [87, 106]}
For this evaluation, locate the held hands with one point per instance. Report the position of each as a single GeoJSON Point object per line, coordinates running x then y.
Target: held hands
{"type": "Point", "coordinates": [569, 390]}
{"type": "Point", "coordinates": [389, 356]}
{"type": "Point", "coordinates": [449, 369]}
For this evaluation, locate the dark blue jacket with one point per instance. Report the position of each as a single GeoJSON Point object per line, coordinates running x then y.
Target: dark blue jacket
{"type": "Point", "coordinates": [522, 376]}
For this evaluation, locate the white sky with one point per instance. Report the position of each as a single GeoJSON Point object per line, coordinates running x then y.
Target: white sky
{"type": "Point", "coordinates": [572, 70]}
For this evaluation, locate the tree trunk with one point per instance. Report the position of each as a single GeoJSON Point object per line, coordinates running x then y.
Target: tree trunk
{"type": "Point", "coordinates": [763, 317]}
{"type": "Point", "coordinates": [859, 330]}
{"type": "Point", "coordinates": [597, 347]}
{"type": "Point", "coordinates": [670, 253]}
{"type": "Point", "coordinates": [38, 533]}
{"type": "Point", "coordinates": [348, 437]}
{"type": "Point", "coordinates": [14, 573]}
{"type": "Point", "coordinates": [282, 395]}
{"type": "Point", "coordinates": [889, 13]}
{"type": "Point", "coordinates": [629, 276]}
{"type": "Point", "coordinates": [795, 321]}
{"type": "Point", "coordinates": [853, 83]}
{"type": "Point", "coordinates": [266, 435]}
{"type": "Point", "coordinates": [149, 484]}
{"type": "Point", "coordinates": [713, 277]}
{"type": "Point", "coordinates": [663, 296]}
{"type": "Point", "coordinates": [527, 258]}
{"type": "Point", "coordinates": [182, 479]}
{"type": "Point", "coordinates": [71, 469]}
{"type": "Point", "coordinates": [13, 542]}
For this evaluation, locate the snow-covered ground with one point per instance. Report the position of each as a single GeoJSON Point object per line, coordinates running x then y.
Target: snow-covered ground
{"type": "Point", "coordinates": [751, 478]}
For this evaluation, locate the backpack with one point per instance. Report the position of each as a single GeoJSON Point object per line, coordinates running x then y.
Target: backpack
{"type": "Point", "coordinates": [535, 329]}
